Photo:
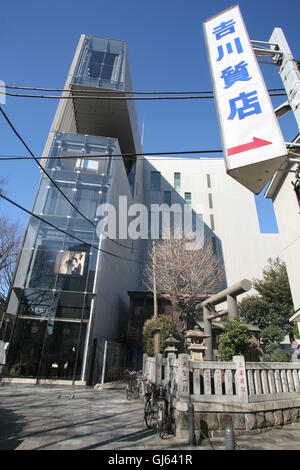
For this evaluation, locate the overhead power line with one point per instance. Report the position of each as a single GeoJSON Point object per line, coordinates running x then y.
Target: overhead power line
{"type": "Point", "coordinates": [68, 234]}
{"type": "Point", "coordinates": [54, 183]}
{"type": "Point", "coordinates": [102, 91]}
{"type": "Point", "coordinates": [120, 98]}
{"type": "Point", "coordinates": [125, 156]}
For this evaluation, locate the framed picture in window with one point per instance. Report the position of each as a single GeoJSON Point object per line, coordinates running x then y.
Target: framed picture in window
{"type": "Point", "coordinates": [70, 263]}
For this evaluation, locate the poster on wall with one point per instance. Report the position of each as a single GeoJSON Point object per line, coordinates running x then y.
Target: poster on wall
{"type": "Point", "coordinates": [70, 262]}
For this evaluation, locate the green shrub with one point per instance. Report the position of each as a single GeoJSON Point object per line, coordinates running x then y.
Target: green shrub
{"type": "Point", "coordinates": [168, 328]}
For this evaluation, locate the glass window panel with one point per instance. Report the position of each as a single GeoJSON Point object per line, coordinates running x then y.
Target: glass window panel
{"type": "Point", "coordinates": [106, 72]}
{"type": "Point", "coordinates": [167, 197]}
{"type": "Point", "coordinates": [56, 203]}
{"type": "Point", "coordinates": [188, 198]}
{"type": "Point", "coordinates": [94, 67]}
{"type": "Point", "coordinates": [25, 349]}
{"type": "Point", "coordinates": [208, 181]}
{"type": "Point", "coordinates": [109, 58]}
{"type": "Point", "coordinates": [212, 222]}
{"type": "Point", "coordinates": [210, 201]}
{"type": "Point", "coordinates": [214, 245]}
{"type": "Point", "coordinates": [177, 181]}
{"type": "Point", "coordinates": [155, 181]}
{"type": "Point", "coordinates": [86, 200]}
{"type": "Point", "coordinates": [43, 273]}
{"type": "Point", "coordinates": [59, 355]}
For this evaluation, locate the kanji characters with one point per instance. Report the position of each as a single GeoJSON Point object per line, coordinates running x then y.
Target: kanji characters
{"type": "Point", "coordinates": [234, 74]}
{"type": "Point", "coordinates": [250, 105]}
{"type": "Point", "coordinates": [229, 48]}
{"type": "Point", "coordinates": [244, 104]}
{"type": "Point", "coordinates": [226, 27]}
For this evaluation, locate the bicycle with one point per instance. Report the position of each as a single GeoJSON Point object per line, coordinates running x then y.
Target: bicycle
{"type": "Point", "coordinates": [134, 388]}
{"type": "Point", "coordinates": [156, 409]}
{"type": "Point", "coordinates": [149, 405]}
{"type": "Point", "coordinates": [165, 418]}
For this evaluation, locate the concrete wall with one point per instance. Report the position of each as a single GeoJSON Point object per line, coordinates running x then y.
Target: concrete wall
{"type": "Point", "coordinates": [244, 248]}
{"type": "Point", "coordinates": [288, 219]}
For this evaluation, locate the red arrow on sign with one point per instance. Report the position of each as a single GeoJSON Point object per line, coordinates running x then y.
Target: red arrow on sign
{"type": "Point", "coordinates": [249, 146]}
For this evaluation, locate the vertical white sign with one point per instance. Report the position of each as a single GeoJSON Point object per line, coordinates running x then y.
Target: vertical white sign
{"type": "Point", "coordinates": [252, 141]}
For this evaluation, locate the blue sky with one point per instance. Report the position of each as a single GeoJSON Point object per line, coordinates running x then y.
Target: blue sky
{"type": "Point", "coordinates": [167, 53]}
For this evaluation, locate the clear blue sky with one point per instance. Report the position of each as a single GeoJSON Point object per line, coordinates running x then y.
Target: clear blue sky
{"type": "Point", "coordinates": [167, 53]}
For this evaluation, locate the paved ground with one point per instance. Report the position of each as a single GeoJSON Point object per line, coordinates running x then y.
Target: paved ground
{"type": "Point", "coordinates": [34, 417]}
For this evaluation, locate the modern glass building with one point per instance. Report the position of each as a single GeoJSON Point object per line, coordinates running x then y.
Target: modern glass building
{"type": "Point", "coordinates": [70, 289]}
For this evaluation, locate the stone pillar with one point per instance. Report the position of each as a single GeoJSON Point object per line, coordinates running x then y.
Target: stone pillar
{"type": "Point", "coordinates": [232, 307]}
{"type": "Point", "coordinates": [208, 332]}
{"type": "Point", "coordinates": [183, 378]}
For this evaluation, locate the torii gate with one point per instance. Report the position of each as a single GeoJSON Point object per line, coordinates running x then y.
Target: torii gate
{"type": "Point", "coordinates": [230, 294]}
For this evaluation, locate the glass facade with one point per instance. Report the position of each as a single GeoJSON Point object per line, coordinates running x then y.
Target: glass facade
{"type": "Point", "coordinates": [53, 287]}
{"type": "Point", "coordinates": [101, 63]}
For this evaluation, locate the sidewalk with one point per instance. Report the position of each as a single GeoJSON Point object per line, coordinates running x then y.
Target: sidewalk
{"type": "Point", "coordinates": [36, 417]}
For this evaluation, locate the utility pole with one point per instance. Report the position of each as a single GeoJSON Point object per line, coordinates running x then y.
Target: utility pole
{"type": "Point", "coordinates": [156, 332]}
{"type": "Point", "coordinates": [288, 68]}
{"type": "Point", "coordinates": [154, 283]}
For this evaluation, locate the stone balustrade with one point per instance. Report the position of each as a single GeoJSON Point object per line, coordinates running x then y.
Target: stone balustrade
{"type": "Point", "coordinates": [249, 395]}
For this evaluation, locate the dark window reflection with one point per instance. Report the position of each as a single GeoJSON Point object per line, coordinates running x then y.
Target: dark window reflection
{"type": "Point", "coordinates": [24, 361]}
{"type": "Point", "coordinates": [60, 351]}
{"type": "Point", "coordinates": [51, 349]}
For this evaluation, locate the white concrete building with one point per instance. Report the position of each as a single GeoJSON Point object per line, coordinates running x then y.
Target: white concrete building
{"type": "Point", "coordinates": [228, 209]}
{"type": "Point", "coordinates": [284, 190]}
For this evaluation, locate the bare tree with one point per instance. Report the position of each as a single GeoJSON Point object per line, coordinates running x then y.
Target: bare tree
{"type": "Point", "coordinates": [10, 244]}
{"type": "Point", "coordinates": [181, 275]}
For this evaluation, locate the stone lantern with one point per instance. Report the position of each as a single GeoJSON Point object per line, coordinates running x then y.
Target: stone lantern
{"type": "Point", "coordinates": [194, 341]}
{"type": "Point", "coordinates": [171, 345]}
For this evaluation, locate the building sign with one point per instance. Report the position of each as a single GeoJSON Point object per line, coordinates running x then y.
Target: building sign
{"type": "Point", "coordinates": [252, 141]}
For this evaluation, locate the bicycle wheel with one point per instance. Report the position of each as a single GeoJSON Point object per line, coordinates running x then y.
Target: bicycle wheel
{"type": "Point", "coordinates": [161, 421]}
{"type": "Point", "coordinates": [128, 392]}
{"type": "Point", "coordinates": [148, 415]}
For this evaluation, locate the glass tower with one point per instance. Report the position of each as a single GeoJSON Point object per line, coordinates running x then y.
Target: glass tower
{"type": "Point", "coordinates": [53, 309]}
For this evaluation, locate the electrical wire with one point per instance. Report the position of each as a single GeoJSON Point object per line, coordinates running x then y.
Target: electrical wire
{"type": "Point", "coordinates": [102, 91]}
{"type": "Point", "coordinates": [54, 183]}
{"type": "Point", "coordinates": [125, 156]}
{"type": "Point", "coordinates": [66, 233]}
{"type": "Point", "coordinates": [120, 98]}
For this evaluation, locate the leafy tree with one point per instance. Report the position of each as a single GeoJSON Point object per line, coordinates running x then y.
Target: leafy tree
{"type": "Point", "coordinates": [271, 309]}
{"type": "Point", "coordinates": [167, 326]}
{"type": "Point", "coordinates": [236, 340]}
{"type": "Point", "coordinates": [273, 353]}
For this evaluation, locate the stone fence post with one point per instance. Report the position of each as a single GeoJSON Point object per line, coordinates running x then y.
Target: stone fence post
{"type": "Point", "coordinates": [183, 377]}
{"type": "Point", "coordinates": [241, 378]}
{"type": "Point", "coordinates": [158, 366]}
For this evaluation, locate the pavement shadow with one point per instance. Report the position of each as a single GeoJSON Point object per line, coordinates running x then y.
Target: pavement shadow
{"type": "Point", "coordinates": [10, 427]}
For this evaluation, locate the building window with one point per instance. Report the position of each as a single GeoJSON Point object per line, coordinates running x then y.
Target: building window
{"type": "Point", "coordinates": [177, 182]}
{"type": "Point", "coordinates": [208, 181]}
{"type": "Point", "coordinates": [212, 222]}
{"type": "Point", "coordinates": [167, 197]}
{"type": "Point", "coordinates": [101, 64]}
{"type": "Point", "coordinates": [214, 245]}
{"type": "Point", "coordinates": [155, 181]}
{"type": "Point", "coordinates": [188, 199]}
{"type": "Point", "coordinates": [210, 201]}
{"type": "Point", "coordinates": [84, 164]}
